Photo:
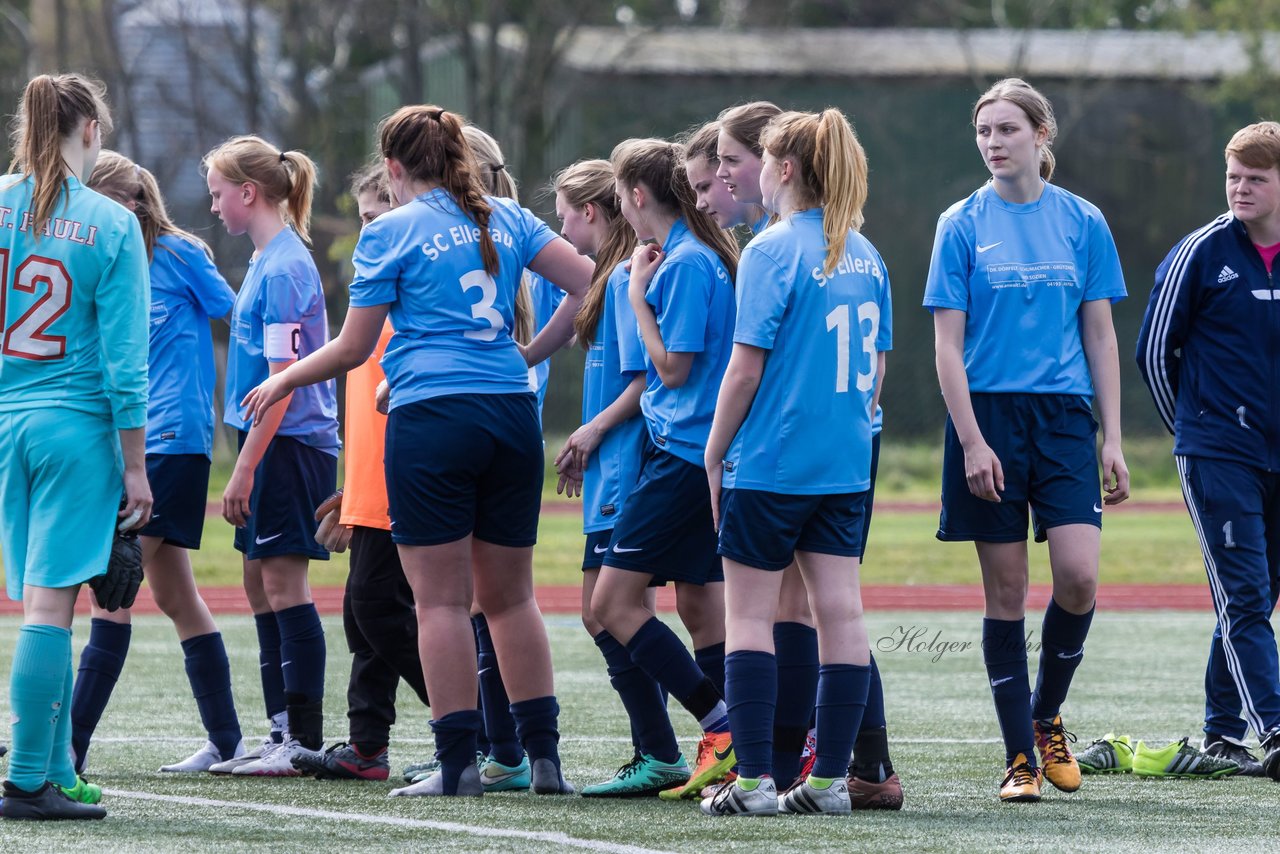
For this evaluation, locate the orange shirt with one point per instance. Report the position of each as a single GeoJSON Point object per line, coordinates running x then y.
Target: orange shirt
{"type": "Point", "coordinates": [364, 494]}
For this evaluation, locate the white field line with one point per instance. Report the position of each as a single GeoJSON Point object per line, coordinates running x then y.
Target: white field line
{"type": "Point", "coordinates": [550, 837]}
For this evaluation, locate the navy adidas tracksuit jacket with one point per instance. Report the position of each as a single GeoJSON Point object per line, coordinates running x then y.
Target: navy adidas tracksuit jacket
{"type": "Point", "coordinates": [1209, 351]}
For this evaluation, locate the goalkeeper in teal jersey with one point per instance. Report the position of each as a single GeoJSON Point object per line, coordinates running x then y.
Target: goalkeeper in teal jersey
{"type": "Point", "coordinates": [73, 408]}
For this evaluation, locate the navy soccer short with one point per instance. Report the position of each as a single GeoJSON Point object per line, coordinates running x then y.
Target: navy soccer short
{"type": "Point", "coordinates": [464, 464]}
{"type": "Point", "coordinates": [180, 489]}
{"type": "Point", "coordinates": [766, 529]}
{"type": "Point", "coordinates": [871, 495]}
{"type": "Point", "coordinates": [1047, 447]}
{"type": "Point", "coordinates": [666, 528]}
{"type": "Point", "coordinates": [596, 548]}
{"type": "Point", "coordinates": [288, 485]}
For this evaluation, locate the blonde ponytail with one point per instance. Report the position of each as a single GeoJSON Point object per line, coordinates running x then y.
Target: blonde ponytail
{"type": "Point", "coordinates": [831, 171]}
{"type": "Point", "coordinates": [284, 178]}
{"type": "Point", "coordinates": [51, 110]}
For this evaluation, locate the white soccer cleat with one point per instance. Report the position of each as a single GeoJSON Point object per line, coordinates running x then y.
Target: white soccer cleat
{"type": "Point", "coordinates": [229, 766]}
{"type": "Point", "coordinates": [202, 760]}
{"type": "Point", "coordinates": [278, 762]}
{"type": "Point", "coordinates": [733, 800]}
{"type": "Point", "coordinates": [469, 786]}
{"type": "Point", "coordinates": [804, 799]}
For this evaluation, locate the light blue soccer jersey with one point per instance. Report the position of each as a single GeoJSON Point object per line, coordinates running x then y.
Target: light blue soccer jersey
{"type": "Point", "coordinates": [692, 297]}
{"type": "Point", "coordinates": [546, 298]}
{"type": "Point", "coordinates": [453, 321]}
{"type": "Point", "coordinates": [1021, 272]}
{"type": "Point", "coordinates": [186, 291]}
{"type": "Point", "coordinates": [616, 357]}
{"type": "Point", "coordinates": [808, 431]}
{"type": "Point", "coordinates": [74, 306]}
{"type": "Point", "coordinates": [282, 296]}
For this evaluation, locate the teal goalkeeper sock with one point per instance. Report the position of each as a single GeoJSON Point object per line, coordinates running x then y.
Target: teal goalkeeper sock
{"type": "Point", "coordinates": [41, 660]}
{"type": "Point", "coordinates": [61, 770]}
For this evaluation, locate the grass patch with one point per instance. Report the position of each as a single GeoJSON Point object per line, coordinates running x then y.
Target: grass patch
{"type": "Point", "coordinates": [943, 737]}
{"type": "Point", "coordinates": [1137, 548]}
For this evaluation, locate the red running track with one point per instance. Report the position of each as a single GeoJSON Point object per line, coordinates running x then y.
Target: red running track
{"type": "Point", "coordinates": [886, 597]}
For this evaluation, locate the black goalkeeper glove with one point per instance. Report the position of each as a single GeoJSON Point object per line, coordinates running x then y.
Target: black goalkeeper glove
{"type": "Point", "coordinates": [118, 587]}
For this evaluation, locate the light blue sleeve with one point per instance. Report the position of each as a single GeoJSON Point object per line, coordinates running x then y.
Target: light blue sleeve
{"type": "Point", "coordinates": [884, 337]}
{"type": "Point", "coordinates": [288, 299]}
{"type": "Point", "coordinates": [763, 293]}
{"type": "Point", "coordinates": [630, 348]}
{"type": "Point", "coordinates": [377, 273]}
{"type": "Point", "coordinates": [684, 304]}
{"type": "Point", "coordinates": [1105, 278]}
{"type": "Point", "coordinates": [123, 303]}
{"type": "Point", "coordinates": [208, 289]}
{"type": "Point", "coordinates": [535, 238]}
{"type": "Point", "coordinates": [950, 266]}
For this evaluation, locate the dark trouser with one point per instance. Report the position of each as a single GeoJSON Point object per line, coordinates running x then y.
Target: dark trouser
{"type": "Point", "coordinates": [382, 634]}
{"type": "Point", "coordinates": [1236, 512]}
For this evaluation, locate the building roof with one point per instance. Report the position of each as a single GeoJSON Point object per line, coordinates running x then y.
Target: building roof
{"type": "Point", "coordinates": [1114, 54]}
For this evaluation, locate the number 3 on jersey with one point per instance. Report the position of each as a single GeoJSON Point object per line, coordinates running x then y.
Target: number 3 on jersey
{"type": "Point", "coordinates": [26, 337]}
{"type": "Point", "coordinates": [483, 310]}
{"type": "Point", "coordinates": [838, 320]}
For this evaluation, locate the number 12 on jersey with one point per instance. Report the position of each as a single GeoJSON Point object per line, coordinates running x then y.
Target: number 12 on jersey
{"type": "Point", "coordinates": [26, 337]}
{"type": "Point", "coordinates": [838, 319]}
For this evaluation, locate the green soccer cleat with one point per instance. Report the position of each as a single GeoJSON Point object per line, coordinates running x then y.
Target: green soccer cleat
{"type": "Point", "coordinates": [1110, 754]}
{"type": "Point", "coordinates": [496, 777]}
{"type": "Point", "coordinates": [83, 792]}
{"type": "Point", "coordinates": [641, 777]}
{"type": "Point", "coordinates": [1180, 760]}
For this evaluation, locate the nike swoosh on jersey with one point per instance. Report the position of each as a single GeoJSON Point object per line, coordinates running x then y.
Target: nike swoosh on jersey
{"type": "Point", "coordinates": [982, 248]}
{"type": "Point", "coordinates": [261, 540]}
{"type": "Point", "coordinates": [599, 550]}
{"type": "Point", "coordinates": [1097, 508]}
{"type": "Point", "coordinates": [620, 550]}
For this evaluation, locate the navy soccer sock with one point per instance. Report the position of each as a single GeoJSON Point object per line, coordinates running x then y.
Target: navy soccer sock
{"type": "Point", "coordinates": [302, 653]}
{"type": "Point", "coordinates": [1062, 639]}
{"type": "Point", "coordinates": [41, 660]}
{"type": "Point", "coordinates": [842, 699]}
{"type": "Point", "coordinates": [643, 700]}
{"type": "Point", "coordinates": [495, 707]}
{"type": "Point", "coordinates": [209, 673]}
{"type": "Point", "coordinates": [456, 745]}
{"type": "Point", "coordinates": [871, 748]}
{"type": "Point", "coordinates": [796, 647]}
{"type": "Point", "coordinates": [710, 660]}
{"type": "Point", "coordinates": [1004, 650]}
{"type": "Point", "coordinates": [661, 654]}
{"type": "Point", "coordinates": [100, 664]}
{"type": "Point", "coordinates": [536, 724]}
{"type": "Point", "coordinates": [752, 685]}
{"type": "Point", "coordinates": [269, 662]}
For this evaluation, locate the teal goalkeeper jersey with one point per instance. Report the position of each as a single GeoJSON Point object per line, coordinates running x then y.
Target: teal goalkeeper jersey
{"type": "Point", "coordinates": [74, 306]}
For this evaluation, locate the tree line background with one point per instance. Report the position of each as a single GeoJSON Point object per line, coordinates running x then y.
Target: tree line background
{"type": "Point", "coordinates": [316, 74]}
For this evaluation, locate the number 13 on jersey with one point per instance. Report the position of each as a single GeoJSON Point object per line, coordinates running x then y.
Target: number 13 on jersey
{"type": "Point", "coordinates": [838, 320]}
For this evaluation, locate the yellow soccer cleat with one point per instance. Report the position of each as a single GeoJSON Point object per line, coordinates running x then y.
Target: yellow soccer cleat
{"type": "Point", "coordinates": [1021, 781]}
{"type": "Point", "coordinates": [1056, 762]}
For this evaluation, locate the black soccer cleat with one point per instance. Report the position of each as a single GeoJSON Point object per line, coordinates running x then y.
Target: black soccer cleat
{"type": "Point", "coordinates": [47, 803]}
{"type": "Point", "coordinates": [1271, 755]}
{"type": "Point", "coordinates": [1225, 747]}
